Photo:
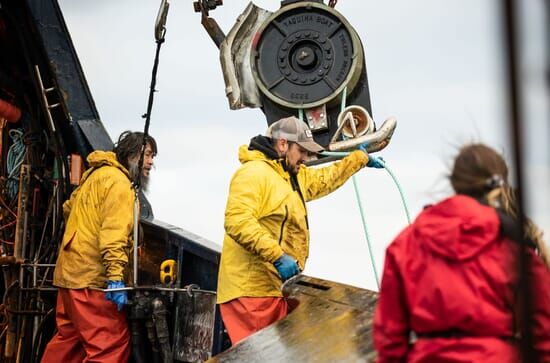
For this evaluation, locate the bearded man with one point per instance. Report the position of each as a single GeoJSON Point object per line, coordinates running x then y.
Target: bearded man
{"type": "Point", "coordinates": [94, 253]}
{"type": "Point", "coordinates": [266, 227]}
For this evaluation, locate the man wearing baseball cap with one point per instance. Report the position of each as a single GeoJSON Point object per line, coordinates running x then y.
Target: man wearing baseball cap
{"type": "Point", "coordinates": [266, 228]}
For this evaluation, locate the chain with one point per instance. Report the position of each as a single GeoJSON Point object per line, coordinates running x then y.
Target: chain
{"type": "Point", "coordinates": [332, 3]}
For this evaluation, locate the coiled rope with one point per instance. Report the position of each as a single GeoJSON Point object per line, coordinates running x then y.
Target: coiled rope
{"type": "Point", "coordinates": [15, 158]}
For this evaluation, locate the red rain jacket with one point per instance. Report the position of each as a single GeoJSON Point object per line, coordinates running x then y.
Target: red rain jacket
{"type": "Point", "coordinates": [450, 278]}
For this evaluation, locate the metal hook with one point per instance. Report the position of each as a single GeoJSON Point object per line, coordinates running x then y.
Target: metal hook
{"type": "Point", "coordinates": [189, 288]}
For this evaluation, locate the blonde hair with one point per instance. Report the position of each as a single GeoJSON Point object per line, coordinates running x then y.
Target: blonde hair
{"type": "Point", "coordinates": [505, 198]}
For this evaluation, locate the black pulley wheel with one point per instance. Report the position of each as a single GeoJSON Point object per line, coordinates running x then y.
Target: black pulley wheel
{"type": "Point", "coordinates": [305, 54]}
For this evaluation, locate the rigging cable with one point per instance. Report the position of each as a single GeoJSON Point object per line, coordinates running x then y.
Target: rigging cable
{"type": "Point", "coordinates": [160, 34]}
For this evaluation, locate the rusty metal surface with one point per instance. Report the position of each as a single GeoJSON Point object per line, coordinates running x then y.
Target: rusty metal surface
{"type": "Point", "coordinates": [240, 86]}
{"type": "Point", "coordinates": [331, 323]}
{"type": "Point", "coordinates": [194, 327]}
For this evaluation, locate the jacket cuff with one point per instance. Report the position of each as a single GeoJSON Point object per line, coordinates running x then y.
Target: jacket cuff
{"type": "Point", "coordinates": [361, 156]}
{"type": "Point", "coordinates": [277, 255]}
{"type": "Point", "coordinates": [115, 273]}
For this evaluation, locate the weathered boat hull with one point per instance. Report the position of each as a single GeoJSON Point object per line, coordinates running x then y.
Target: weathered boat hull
{"type": "Point", "coordinates": [331, 322]}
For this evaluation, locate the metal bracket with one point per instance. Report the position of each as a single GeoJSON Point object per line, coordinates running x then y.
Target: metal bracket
{"type": "Point", "coordinates": [211, 26]}
{"type": "Point", "coordinates": [317, 118]}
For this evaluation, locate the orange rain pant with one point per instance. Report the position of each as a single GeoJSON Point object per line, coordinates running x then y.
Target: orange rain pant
{"type": "Point", "coordinates": [89, 329]}
{"type": "Point", "coordinates": [246, 315]}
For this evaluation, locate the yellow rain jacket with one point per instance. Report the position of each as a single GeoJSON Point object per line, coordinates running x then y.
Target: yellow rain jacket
{"type": "Point", "coordinates": [99, 222]}
{"type": "Point", "coordinates": [266, 216]}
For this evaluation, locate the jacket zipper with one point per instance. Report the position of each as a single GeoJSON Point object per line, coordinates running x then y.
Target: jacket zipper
{"type": "Point", "coordinates": [296, 187]}
{"type": "Point", "coordinates": [283, 225]}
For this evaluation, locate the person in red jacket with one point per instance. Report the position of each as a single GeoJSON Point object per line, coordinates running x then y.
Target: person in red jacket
{"type": "Point", "coordinates": [450, 286]}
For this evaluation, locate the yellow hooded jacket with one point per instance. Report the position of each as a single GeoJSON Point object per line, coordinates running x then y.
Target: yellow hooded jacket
{"type": "Point", "coordinates": [99, 222]}
{"type": "Point", "coordinates": [266, 216]}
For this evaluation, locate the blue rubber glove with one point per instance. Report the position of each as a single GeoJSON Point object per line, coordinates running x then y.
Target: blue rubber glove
{"type": "Point", "coordinates": [120, 298]}
{"type": "Point", "coordinates": [374, 162]}
{"type": "Point", "coordinates": [286, 267]}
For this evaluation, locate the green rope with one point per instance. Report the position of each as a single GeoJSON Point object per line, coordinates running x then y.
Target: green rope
{"type": "Point", "coordinates": [360, 205]}
{"type": "Point", "coordinates": [401, 193]}
{"type": "Point", "coordinates": [335, 153]}
{"type": "Point", "coordinates": [344, 96]}
{"type": "Point", "coordinates": [366, 230]}
{"type": "Point", "coordinates": [390, 172]}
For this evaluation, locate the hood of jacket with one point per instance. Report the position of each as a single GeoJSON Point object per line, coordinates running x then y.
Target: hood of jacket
{"type": "Point", "coordinates": [99, 158]}
{"type": "Point", "coordinates": [260, 148]}
{"type": "Point", "coordinates": [457, 228]}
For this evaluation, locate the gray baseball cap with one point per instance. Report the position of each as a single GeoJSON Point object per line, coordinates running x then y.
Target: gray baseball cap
{"type": "Point", "coordinates": [292, 129]}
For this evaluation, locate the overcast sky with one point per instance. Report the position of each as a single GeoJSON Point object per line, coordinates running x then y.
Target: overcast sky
{"type": "Point", "coordinates": [434, 65]}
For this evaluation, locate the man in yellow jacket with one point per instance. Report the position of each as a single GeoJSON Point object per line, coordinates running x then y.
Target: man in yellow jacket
{"type": "Point", "coordinates": [91, 325]}
{"type": "Point", "coordinates": [266, 227]}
